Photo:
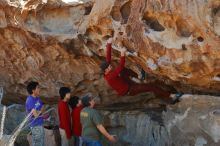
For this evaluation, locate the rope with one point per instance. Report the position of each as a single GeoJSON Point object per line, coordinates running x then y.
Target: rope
{"type": "Point", "coordinates": [3, 122]}
{"type": "Point", "coordinates": [16, 133]}
{"type": "Point", "coordinates": [22, 126]}
{"type": "Point", "coordinates": [37, 117]}
{"type": "Point", "coordinates": [3, 114]}
{"type": "Point", "coordinates": [1, 93]}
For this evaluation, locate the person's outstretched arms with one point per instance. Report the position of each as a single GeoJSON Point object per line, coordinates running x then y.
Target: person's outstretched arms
{"type": "Point", "coordinates": [102, 129]}
{"type": "Point", "coordinates": [120, 67]}
{"type": "Point", "coordinates": [108, 50]}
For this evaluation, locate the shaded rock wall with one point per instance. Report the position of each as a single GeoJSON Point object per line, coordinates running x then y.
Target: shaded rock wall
{"type": "Point", "coordinates": [192, 122]}
{"type": "Point", "coordinates": [58, 43]}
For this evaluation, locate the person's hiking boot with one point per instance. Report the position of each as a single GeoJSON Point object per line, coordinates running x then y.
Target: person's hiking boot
{"type": "Point", "coordinates": [177, 97]}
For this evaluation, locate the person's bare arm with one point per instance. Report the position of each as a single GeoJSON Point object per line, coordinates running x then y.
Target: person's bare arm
{"type": "Point", "coordinates": [123, 51]}
{"type": "Point", "coordinates": [36, 113]}
{"type": "Point", "coordinates": [43, 109]}
{"type": "Point", "coordinates": [102, 129]}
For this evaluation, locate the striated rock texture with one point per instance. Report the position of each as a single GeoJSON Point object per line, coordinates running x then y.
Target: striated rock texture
{"type": "Point", "coordinates": [61, 43]}
{"type": "Point", "coordinates": [195, 121]}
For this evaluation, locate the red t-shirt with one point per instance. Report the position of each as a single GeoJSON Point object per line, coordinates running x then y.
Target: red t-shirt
{"type": "Point", "coordinates": [113, 78]}
{"type": "Point", "coordinates": [64, 117]}
{"type": "Point", "coordinates": [76, 125]}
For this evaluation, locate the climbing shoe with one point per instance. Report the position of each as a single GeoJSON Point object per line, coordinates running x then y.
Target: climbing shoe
{"type": "Point", "coordinates": [143, 73]}
{"type": "Point", "coordinates": [131, 53]}
{"type": "Point", "coordinates": [177, 97]}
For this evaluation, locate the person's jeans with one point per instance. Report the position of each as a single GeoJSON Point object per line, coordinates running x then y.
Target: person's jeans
{"type": "Point", "coordinates": [77, 141]}
{"type": "Point", "coordinates": [37, 135]}
{"type": "Point", "coordinates": [64, 140]}
{"type": "Point", "coordinates": [89, 142]}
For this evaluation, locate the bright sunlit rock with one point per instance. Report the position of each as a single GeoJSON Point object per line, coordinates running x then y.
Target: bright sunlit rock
{"type": "Point", "coordinates": [72, 1]}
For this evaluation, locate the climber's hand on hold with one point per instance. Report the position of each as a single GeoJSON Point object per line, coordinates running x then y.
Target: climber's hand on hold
{"type": "Point", "coordinates": [109, 41]}
{"type": "Point", "coordinates": [123, 51]}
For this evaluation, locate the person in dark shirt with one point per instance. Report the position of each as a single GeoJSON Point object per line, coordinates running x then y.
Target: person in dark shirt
{"type": "Point", "coordinates": [76, 105]}
{"type": "Point", "coordinates": [64, 116]}
{"type": "Point", "coordinates": [119, 79]}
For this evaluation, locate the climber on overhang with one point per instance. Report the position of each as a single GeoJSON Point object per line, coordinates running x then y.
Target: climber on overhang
{"type": "Point", "coordinates": [121, 79]}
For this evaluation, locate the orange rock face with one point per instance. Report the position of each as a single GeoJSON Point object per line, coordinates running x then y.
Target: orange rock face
{"type": "Point", "coordinates": [61, 43]}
